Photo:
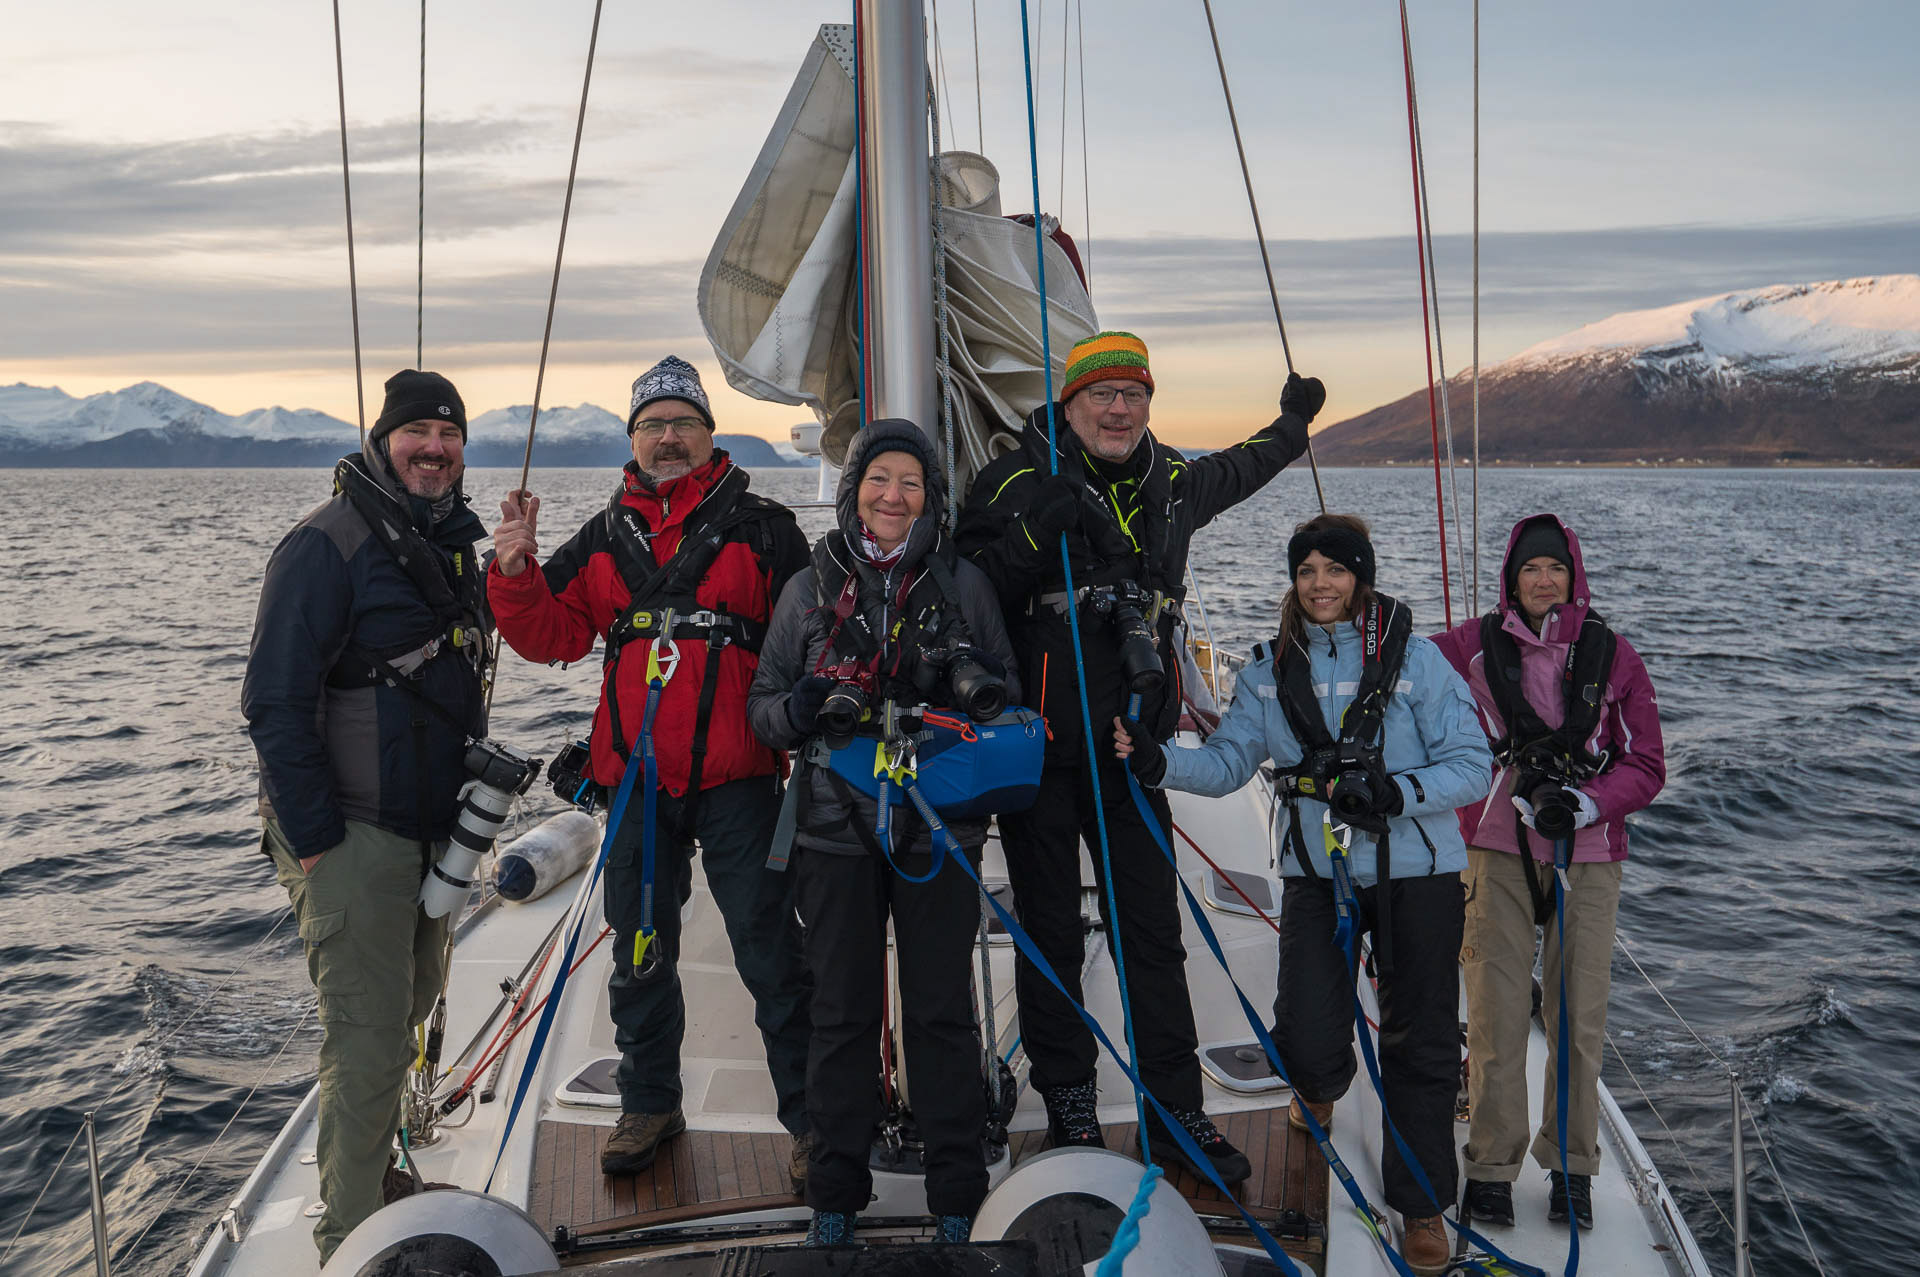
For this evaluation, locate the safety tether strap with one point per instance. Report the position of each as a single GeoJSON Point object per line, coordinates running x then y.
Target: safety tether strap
{"type": "Point", "coordinates": [1369, 1215]}
{"type": "Point", "coordinates": [1185, 1142]}
{"type": "Point", "coordinates": [1562, 856]}
{"type": "Point", "coordinates": [658, 672]}
{"type": "Point", "coordinates": [614, 819]}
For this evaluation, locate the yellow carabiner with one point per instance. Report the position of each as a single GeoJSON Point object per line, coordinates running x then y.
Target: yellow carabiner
{"type": "Point", "coordinates": [641, 940]}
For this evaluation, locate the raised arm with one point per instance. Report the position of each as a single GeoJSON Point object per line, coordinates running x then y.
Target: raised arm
{"type": "Point", "coordinates": [548, 613]}
{"type": "Point", "coordinates": [1247, 736]}
{"type": "Point", "coordinates": [1225, 478]}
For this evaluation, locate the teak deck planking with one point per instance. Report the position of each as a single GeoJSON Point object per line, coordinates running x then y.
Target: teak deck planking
{"type": "Point", "coordinates": [704, 1173]}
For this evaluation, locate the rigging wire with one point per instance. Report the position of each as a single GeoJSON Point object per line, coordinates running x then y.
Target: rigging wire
{"type": "Point", "coordinates": [346, 183]}
{"type": "Point", "coordinates": [566, 211]}
{"type": "Point", "coordinates": [1476, 307]}
{"type": "Point", "coordinates": [979, 112]}
{"type": "Point", "coordinates": [420, 260]}
{"type": "Point", "coordinates": [1419, 243]}
{"type": "Point", "coordinates": [208, 1152]}
{"type": "Point", "coordinates": [1259, 235]}
{"type": "Point", "coordinates": [1066, 14]}
{"type": "Point", "coordinates": [1439, 350]}
{"type": "Point", "coordinates": [1086, 186]}
{"type": "Point", "coordinates": [941, 88]}
{"type": "Point", "coordinates": [28, 1217]}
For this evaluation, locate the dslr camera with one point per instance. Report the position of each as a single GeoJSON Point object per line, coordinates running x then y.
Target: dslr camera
{"type": "Point", "coordinates": [1125, 606]}
{"type": "Point", "coordinates": [977, 690]}
{"type": "Point", "coordinates": [847, 705]}
{"type": "Point", "coordinates": [1543, 783]}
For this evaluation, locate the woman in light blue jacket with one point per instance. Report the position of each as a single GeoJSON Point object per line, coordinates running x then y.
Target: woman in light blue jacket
{"type": "Point", "coordinates": [1412, 751]}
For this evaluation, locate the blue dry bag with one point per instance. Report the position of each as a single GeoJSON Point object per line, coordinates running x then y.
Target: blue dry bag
{"type": "Point", "coordinates": [961, 767]}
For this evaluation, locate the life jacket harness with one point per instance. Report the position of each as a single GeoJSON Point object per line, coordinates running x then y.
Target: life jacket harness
{"type": "Point", "coordinates": [919, 613]}
{"type": "Point", "coordinates": [662, 606]}
{"type": "Point", "coordinates": [452, 585]}
{"type": "Point", "coordinates": [1531, 749]}
{"type": "Point", "coordinates": [1385, 627]}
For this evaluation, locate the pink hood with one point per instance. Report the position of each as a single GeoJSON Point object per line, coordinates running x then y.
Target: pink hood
{"type": "Point", "coordinates": [1628, 730]}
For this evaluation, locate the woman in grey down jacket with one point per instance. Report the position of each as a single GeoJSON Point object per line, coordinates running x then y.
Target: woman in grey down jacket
{"type": "Point", "coordinates": [867, 609]}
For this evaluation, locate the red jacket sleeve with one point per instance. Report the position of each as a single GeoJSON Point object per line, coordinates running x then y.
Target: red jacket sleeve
{"type": "Point", "coordinates": [552, 614]}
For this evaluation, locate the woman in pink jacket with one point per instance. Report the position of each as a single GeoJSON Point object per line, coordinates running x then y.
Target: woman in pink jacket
{"type": "Point", "coordinates": [1575, 728]}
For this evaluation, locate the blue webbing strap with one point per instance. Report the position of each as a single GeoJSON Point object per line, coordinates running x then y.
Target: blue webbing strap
{"type": "Point", "coordinates": [1073, 617]}
{"type": "Point", "coordinates": [883, 830]}
{"type": "Point", "coordinates": [614, 817]}
{"type": "Point", "coordinates": [1562, 856]}
{"type": "Point", "coordinates": [644, 936]}
{"type": "Point", "coordinates": [1184, 1141]}
{"type": "Point", "coordinates": [1334, 1163]}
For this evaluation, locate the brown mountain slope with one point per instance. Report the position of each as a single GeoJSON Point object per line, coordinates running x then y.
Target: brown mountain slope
{"type": "Point", "coordinates": [1603, 408]}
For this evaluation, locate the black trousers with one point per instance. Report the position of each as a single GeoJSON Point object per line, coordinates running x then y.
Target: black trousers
{"type": "Point", "coordinates": [734, 824]}
{"type": "Point", "coordinates": [1419, 1019]}
{"type": "Point", "coordinates": [844, 901]}
{"type": "Point", "coordinates": [1042, 847]}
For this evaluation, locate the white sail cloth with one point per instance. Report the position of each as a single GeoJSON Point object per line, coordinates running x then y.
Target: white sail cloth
{"type": "Point", "coordinates": [777, 293]}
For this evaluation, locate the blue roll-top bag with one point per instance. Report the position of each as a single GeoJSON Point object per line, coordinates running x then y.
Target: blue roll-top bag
{"type": "Point", "coordinates": [962, 768]}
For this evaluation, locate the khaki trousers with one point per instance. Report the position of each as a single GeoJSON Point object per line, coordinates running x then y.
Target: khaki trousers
{"type": "Point", "coordinates": [377, 963]}
{"type": "Point", "coordinates": [1496, 955]}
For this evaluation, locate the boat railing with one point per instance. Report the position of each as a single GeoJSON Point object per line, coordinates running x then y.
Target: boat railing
{"type": "Point", "coordinates": [1743, 1121]}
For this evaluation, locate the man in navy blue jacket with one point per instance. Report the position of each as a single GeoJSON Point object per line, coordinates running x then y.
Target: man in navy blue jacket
{"type": "Point", "coordinates": [364, 680]}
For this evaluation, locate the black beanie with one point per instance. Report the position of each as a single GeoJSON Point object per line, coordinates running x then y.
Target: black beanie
{"type": "Point", "coordinates": [1541, 538]}
{"type": "Point", "coordinates": [413, 395]}
{"type": "Point", "coordinates": [1343, 545]}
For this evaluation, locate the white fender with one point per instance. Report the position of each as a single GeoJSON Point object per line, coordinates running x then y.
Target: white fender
{"type": "Point", "coordinates": [545, 856]}
{"type": "Point", "coordinates": [445, 1231]}
{"type": "Point", "coordinates": [1070, 1202]}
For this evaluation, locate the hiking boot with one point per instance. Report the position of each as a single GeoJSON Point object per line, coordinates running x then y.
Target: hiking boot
{"type": "Point", "coordinates": [1423, 1244]}
{"type": "Point", "coordinates": [636, 1139]}
{"type": "Point", "coordinates": [797, 1163]}
{"type": "Point", "coordinates": [830, 1228]}
{"type": "Point", "coordinates": [1228, 1162]}
{"type": "Point", "coordinates": [1073, 1116]}
{"type": "Point", "coordinates": [1322, 1113]}
{"type": "Point", "coordinates": [1575, 1188]}
{"type": "Point", "coordinates": [952, 1230]}
{"type": "Point", "coordinates": [397, 1183]}
{"type": "Point", "coordinates": [1490, 1201]}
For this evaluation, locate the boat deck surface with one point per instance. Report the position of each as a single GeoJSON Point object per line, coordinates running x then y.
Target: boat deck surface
{"type": "Point", "coordinates": [702, 1174]}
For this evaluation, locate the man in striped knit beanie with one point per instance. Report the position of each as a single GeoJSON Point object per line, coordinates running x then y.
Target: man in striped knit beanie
{"type": "Point", "coordinates": [1088, 468]}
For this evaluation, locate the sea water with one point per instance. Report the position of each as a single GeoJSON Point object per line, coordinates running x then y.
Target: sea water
{"type": "Point", "coordinates": [1773, 891]}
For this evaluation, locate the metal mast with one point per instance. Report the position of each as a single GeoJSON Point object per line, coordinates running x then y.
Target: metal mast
{"type": "Point", "coordinates": [897, 204]}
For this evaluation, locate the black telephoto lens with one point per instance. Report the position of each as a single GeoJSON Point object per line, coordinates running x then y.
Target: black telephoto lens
{"type": "Point", "coordinates": [978, 691]}
{"type": "Point", "coordinates": [1139, 657]}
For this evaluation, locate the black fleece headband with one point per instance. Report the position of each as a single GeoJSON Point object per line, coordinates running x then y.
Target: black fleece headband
{"type": "Point", "coordinates": [1343, 545]}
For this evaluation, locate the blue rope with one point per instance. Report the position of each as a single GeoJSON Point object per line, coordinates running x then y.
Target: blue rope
{"type": "Point", "coordinates": [1320, 1136]}
{"type": "Point", "coordinates": [614, 818]}
{"type": "Point", "coordinates": [1027, 947]}
{"type": "Point", "coordinates": [1127, 1238]}
{"type": "Point", "coordinates": [1561, 857]}
{"type": "Point", "coordinates": [1073, 613]}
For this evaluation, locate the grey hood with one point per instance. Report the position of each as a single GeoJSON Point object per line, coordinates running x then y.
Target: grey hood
{"type": "Point", "coordinates": [891, 434]}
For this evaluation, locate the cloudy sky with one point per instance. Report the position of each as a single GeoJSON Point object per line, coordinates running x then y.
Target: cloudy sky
{"type": "Point", "coordinates": [170, 195]}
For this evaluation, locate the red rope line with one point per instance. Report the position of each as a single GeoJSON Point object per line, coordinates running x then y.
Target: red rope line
{"type": "Point", "coordinates": [1226, 878]}
{"type": "Point", "coordinates": [491, 1053]}
{"type": "Point", "coordinates": [1420, 216]}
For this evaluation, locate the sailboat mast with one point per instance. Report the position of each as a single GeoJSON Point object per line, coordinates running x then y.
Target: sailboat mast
{"type": "Point", "coordinates": [897, 205]}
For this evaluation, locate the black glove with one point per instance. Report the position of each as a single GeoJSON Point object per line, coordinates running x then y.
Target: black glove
{"type": "Point", "coordinates": [1303, 396]}
{"type": "Point", "coordinates": [1148, 761]}
{"type": "Point", "coordinates": [805, 700]}
{"type": "Point", "coordinates": [1055, 506]}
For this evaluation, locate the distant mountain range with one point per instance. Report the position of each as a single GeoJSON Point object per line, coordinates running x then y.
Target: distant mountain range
{"type": "Point", "coordinates": [150, 425]}
{"type": "Point", "coordinates": [1811, 373]}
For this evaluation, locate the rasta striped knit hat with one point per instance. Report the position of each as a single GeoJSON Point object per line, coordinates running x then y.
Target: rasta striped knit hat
{"type": "Point", "coordinates": [1106, 356]}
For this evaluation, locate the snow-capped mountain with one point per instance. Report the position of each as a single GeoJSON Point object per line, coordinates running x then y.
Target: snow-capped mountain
{"type": "Point", "coordinates": [1826, 372]}
{"type": "Point", "coordinates": [149, 425]}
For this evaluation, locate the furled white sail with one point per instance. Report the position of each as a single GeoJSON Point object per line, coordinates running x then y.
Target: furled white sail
{"type": "Point", "coordinates": [777, 294]}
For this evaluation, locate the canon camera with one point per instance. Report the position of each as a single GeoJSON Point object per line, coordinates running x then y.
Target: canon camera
{"type": "Point", "coordinates": [499, 773]}
{"type": "Point", "coordinates": [976, 690]}
{"type": "Point", "coordinates": [846, 706]}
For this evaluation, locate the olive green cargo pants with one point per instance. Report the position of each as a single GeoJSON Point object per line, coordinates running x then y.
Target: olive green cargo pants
{"type": "Point", "coordinates": [377, 963]}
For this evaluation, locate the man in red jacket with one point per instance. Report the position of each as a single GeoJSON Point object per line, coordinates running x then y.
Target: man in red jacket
{"type": "Point", "coordinates": [678, 575]}
{"type": "Point", "coordinates": [1576, 730]}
